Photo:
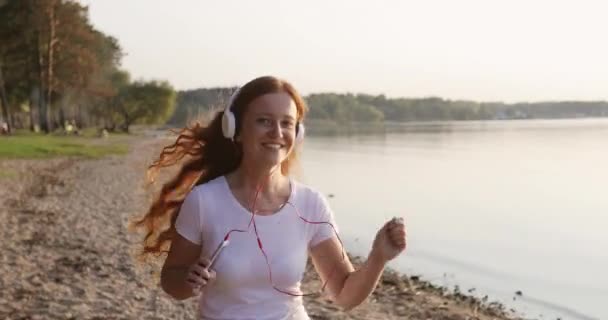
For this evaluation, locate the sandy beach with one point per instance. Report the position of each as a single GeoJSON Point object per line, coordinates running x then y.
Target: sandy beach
{"type": "Point", "coordinates": [67, 252]}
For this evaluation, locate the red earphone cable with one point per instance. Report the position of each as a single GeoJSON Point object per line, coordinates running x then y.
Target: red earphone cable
{"type": "Point", "coordinates": [255, 229]}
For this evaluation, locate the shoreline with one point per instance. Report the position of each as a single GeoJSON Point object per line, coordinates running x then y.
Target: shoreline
{"type": "Point", "coordinates": [69, 254]}
{"type": "Point", "coordinates": [400, 296]}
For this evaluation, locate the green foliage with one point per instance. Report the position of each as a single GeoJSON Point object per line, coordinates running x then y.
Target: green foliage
{"type": "Point", "coordinates": [192, 104]}
{"type": "Point", "coordinates": [331, 109]}
{"type": "Point", "coordinates": [54, 61]}
{"type": "Point", "coordinates": [342, 108]}
{"type": "Point", "coordinates": [145, 102]}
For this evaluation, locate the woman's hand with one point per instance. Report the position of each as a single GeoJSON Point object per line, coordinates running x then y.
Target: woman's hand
{"type": "Point", "coordinates": [199, 275]}
{"type": "Point", "coordinates": [390, 240]}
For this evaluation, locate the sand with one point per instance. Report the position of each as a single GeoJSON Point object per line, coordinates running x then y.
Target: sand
{"type": "Point", "coordinates": [67, 252]}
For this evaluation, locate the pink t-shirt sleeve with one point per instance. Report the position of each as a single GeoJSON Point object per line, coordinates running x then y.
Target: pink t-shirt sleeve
{"type": "Point", "coordinates": [188, 222]}
{"type": "Point", "coordinates": [323, 231]}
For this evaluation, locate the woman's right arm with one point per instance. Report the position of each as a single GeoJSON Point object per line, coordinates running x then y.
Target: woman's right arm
{"type": "Point", "coordinates": [184, 270]}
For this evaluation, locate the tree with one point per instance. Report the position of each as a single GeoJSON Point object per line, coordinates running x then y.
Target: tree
{"type": "Point", "coordinates": [51, 53]}
{"type": "Point", "coordinates": [10, 57]}
{"type": "Point", "coordinates": [145, 102]}
{"type": "Point", "coordinates": [4, 102]}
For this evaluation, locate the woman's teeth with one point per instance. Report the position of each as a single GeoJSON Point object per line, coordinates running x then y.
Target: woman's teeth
{"type": "Point", "coordinates": [274, 146]}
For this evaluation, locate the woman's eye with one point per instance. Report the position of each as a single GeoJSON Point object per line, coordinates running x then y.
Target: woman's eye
{"type": "Point", "coordinates": [264, 121]}
{"type": "Point", "coordinates": [287, 124]}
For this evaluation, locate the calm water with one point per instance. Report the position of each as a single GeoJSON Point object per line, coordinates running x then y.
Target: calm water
{"type": "Point", "coordinates": [496, 206]}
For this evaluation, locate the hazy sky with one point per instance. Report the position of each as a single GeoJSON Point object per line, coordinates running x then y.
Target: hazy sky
{"type": "Point", "coordinates": [486, 50]}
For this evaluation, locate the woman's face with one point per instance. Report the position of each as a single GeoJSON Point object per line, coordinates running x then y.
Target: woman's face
{"type": "Point", "coordinates": [268, 129]}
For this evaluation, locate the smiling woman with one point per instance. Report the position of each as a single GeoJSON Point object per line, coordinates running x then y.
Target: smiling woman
{"type": "Point", "coordinates": [239, 229]}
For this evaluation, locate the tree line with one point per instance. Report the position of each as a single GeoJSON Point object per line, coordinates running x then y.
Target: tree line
{"type": "Point", "coordinates": [364, 108]}
{"type": "Point", "coordinates": [57, 68]}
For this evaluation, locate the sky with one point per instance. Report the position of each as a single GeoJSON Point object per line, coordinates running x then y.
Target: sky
{"type": "Point", "coordinates": [483, 50]}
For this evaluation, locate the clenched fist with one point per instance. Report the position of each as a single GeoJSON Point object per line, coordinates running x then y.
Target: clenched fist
{"type": "Point", "coordinates": [390, 240]}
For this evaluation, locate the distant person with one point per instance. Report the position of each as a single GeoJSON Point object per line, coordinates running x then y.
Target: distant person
{"type": "Point", "coordinates": [69, 128]}
{"type": "Point", "coordinates": [75, 128]}
{"type": "Point", "coordinates": [103, 133]}
{"type": "Point", "coordinates": [238, 177]}
{"type": "Point", "coordinates": [4, 128]}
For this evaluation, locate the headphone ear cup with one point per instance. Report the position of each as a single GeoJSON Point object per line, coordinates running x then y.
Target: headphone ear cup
{"type": "Point", "coordinates": [228, 124]}
{"type": "Point", "coordinates": [300, 132]}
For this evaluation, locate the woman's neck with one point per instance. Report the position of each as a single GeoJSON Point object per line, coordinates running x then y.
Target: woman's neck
{"type": "Point", "coordinates": [270, 182]}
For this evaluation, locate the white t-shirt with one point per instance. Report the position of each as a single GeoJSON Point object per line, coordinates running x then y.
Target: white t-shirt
{"type": "Point", "coordinates": [242, 289]}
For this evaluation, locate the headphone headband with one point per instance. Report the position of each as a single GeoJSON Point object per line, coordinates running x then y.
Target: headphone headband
{"type": "Point", "coordinates": [233, 97]}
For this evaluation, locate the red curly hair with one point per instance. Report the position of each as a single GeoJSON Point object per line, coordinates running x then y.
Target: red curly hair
{"type": "Point", "coordinates": [210, 155]}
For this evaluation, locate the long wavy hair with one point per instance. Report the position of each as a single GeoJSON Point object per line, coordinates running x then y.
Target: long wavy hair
{"type": "Point", "coordinates": [206, 154]}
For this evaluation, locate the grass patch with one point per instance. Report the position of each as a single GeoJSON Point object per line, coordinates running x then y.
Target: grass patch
{"type": "Point", "coordinates": [46, 146]}
{"type": "Point", "coordinates": [6, 173]}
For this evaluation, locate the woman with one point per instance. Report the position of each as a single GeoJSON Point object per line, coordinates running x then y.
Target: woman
{"type": "Point", "coordinates": [237, 177]}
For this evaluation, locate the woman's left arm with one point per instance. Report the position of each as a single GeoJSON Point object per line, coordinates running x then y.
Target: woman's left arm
{"type": "Point", "coordinates": [349, 287]}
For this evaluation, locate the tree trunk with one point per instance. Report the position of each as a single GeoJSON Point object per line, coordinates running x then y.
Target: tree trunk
{"type": "Point", "coordinates": [52, 40]}
{"type": "Point", "coordinates": [4, 101]}
{"type": "Point", "coordinates": [34, 126]}
{"type": "Point", "coordinates": [15, 121]}
{"type": "Point", "coordinates": [127, 123]}
{"type": "Point", "coordinates": [79, 118]}
{"type": "Point", "coordinates": [32, 64]}
{"type": "Point", "coordinates": [43, 113]}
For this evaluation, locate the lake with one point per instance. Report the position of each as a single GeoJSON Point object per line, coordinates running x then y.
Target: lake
{"type": "Point", "coordinates": [494, 207]}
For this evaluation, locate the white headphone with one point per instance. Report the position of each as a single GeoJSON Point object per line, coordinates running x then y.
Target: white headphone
{"type": "Point", "coordinates": [229, 121]}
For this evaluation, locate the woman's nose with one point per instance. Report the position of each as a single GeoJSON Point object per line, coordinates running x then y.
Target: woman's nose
{"type": "Point", "coordinates": [275, 130]}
